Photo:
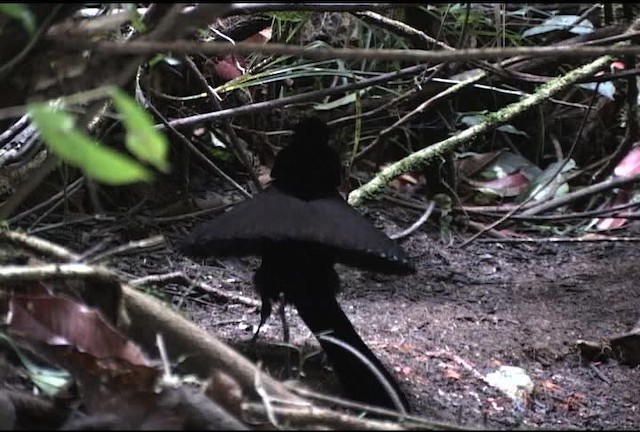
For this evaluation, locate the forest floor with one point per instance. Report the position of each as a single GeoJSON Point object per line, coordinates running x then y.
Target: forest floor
{"type": "Point", "coordinates": [463, 314]}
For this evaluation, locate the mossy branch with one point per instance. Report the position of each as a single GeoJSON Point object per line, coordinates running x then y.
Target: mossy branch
{"type": "Point", "coordinates": [423, 157]}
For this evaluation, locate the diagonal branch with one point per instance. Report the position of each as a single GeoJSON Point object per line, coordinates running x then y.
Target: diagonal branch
{"type": "Point", "coordinates": [424, 156]}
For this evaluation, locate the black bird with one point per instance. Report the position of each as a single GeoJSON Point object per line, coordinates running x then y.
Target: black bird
{"type": "Point", "coordinates": [301, 227]}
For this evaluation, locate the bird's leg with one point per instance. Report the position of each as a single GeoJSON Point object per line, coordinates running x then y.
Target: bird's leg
{"type": "Point", "coordinates": [265, 313]}
{"type": "Point", "coordinates": [285, 332]}
{"type": "Point", "coordinates": [283, 318]}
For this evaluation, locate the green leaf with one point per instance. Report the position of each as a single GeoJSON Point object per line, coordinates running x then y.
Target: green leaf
{"type": "Point", "coordinates": [345, 100]}
{"type": "Point", "coordinates": [136, 18]}
{"type": "Point", "coordinates": [101, 163]}
{"type": "Point", "coordinates": [21, 13]}
{"type": "Point", "coordinates": [219, 149]}
{"type": "Point", "coordinates": [51, 381]}
{"type": "Point", "coordinates": [143, 139]}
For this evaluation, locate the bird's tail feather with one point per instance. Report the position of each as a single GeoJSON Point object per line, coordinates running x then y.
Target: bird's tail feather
{"type": "Point", "coordinates": [364, 379]}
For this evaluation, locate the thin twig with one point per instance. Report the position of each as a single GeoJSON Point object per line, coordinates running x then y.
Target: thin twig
{"type": "Point", "coordinates": [407, 419]}
{"type": "Point", "coordinates": [419, 110]}
{"type": "Point", "coordinates": [253, 8]}
{"type": "Point", "coordinates": [150, 314]}
{"type": "Point", "coordinates": [90, 120]}
{"type": "Point", "coordinates": [304, 417]}
{"type": "Point", "coordinates": [79, 220]}
{"type": "Point", "coordinates": [580, 194]}
{"type": "Point", "coordinates": [66, 191]}
{"type": "Point", "coordinates": [234, 140]}
{"type": "Point", "coordinates": [372, 368]}
{"type": "Point", "coordinates": [27, 187]}
{"type": "Point", "coordinates": [422, 157]}
{"type": "Point", "coordinates": [551, 179]}
{"type": "Point", "coordinates": [417, 224]}
{"type": "Point", "coordinates": [38, 245]}
{"type": "Point", "coordinates": [599, 374]}
{"type": "Point", "coordinates": [591, 239]}
{"type": "Point", "coordinates": [408, 55]}
{"type": "Point", "coordinates": [295, 99]}
{"type": "Point", "coordinates": [157, 278]}
{"type": "Point", "coordinates": [191, 215]}
{"type": "Point", "coordinates": [10, 64]}
{"type": "Point", "coordinates": [12, 131]}
{"type": "Point", "coordinates": [196, 151]}
{"type": "Point", "coordinates": [400, 27]}
{"type": "Point", "coordinates": [264, 396]}
{"type": "Point", "coordinates": [14, 273]}
{"type": "Point", "coordinates": [164, 357]}
{"type": "Point", "coordinates": [209, 289]}
{"type": "Point", "coordinates": [613, 211]}
{"type": "Point", "coordinates": [154, 242]}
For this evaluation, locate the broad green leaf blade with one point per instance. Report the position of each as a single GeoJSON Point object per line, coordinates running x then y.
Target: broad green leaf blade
{"type": "Point", "coordinates": [47, 379]}
{"type": "Point", "coordinates": [101, 163]}
{"type": "Point", "coordinates": [143, 139]}
{"type": "Point", "coordinates": [345, 100]}
{"type": "Point", "coordinates": [20, 12]}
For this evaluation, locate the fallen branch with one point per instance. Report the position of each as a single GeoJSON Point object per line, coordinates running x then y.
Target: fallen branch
{"type": "Point", "coordinates": [150, 243]}
{"type": "Point", "coordinates": [310, 416]}
{"type": "Point", "coordinates": [218, 293]}
{"type": "Point", "coordinates": [147, 316]}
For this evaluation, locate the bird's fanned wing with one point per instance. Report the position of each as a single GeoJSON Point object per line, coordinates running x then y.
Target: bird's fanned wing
{"type": "Point", "coordinates": [273, 216]}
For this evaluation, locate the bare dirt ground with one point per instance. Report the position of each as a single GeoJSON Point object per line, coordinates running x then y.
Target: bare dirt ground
{"type": "Point", "coordinates": [464, 313]}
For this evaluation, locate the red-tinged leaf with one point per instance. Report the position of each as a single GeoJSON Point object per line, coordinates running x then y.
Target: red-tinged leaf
{"type": "Point", "coordinates": [611, 223]}
{"type": "Point", "coordinates": [617, 65]}
{"type": "Point", "coordinates": [407, 183]}
{"type": "Point", "coordinates": [116, 374]}
{"type": "Point", "coordinates": [59, 321]}
{"type": "Point", "coordinates": [625, 194]}
{"type": "Point", "coordinates": [263, 36]}
{"type": "Point", "coordinates": [630, 165]}
{"type": "Point", "coordinates": [227, 68]}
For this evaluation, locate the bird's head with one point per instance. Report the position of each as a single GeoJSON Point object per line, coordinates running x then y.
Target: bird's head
{"type": "Point", "coordinates": [310, 131]}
